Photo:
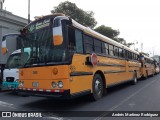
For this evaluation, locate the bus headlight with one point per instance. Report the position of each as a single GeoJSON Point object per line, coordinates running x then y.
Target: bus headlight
{"type": "Point", "coordinates": [54, 84]}
{"type": "Point", "coordinates": [60, 84]}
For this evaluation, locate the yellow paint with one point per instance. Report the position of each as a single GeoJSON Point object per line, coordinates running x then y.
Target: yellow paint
{"type": "Point", "coordinates": [4, 50]}
{"type": "Point", "coordinates": [57, 40]}
{"type": "Point", "coordinates": [46, 75]}
{"type": "Point", "coordinates": [148, 69]}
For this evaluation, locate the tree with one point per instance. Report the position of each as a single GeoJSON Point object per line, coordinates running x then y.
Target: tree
{"type": "Point", "coordinates": [147, 54]}
{"type": "Point", "coordinates": [83, 17]}
{"type": "Point", "coordinates": [120, 40]}
{"type": "Point", "coordinates": [129, 44]}
{"type": "Point", "coordinates": [113, 34]}
{"type": "Point", "coordinates": [87, 19]}
{"type": "Point", "coordinates": [107, 31]}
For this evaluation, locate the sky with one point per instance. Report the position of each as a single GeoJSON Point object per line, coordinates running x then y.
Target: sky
{"type": "Point", "coordinates": [137, 20]}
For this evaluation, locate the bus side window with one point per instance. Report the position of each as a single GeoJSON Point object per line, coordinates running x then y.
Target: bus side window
{"type": "Point", "coordinates": [97, 46]}
{"type": "Point", "coordinates": [71, 38]}
{"type": "Point", "coordinates": [111, 52]}
{"type": "Point", "coordinates": [130, 55]}
{"type": "Point", "coordinates": [126, 54]}
{"type": "Point", "coordinates": [75, 40]}
{"type": "Point", "coordinates": [104, 48]}
{"type": "Point", "coordinates": [116, 52]}
{"type": "Point", "coordinates": [88, 44]}
{"type": "Point", "coordinates": [79, 41]}
{"type": "Point", "coordinates": [120, 52]}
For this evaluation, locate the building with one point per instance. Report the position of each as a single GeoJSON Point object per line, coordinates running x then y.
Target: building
{"type": "Point", "coordinates": [10, 23]}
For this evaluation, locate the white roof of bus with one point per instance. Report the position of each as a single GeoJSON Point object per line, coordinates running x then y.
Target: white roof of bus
{"type": "Point", "coordinates": [11, 34]}
{"type": "Point", "coordinates": [148, 57]}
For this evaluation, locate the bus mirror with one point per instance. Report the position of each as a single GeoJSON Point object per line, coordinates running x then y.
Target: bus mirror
{"type": "Point", "coordinates": [57, 36]}
{"type": "Point", "coordinates": [57, 40]}
{"type": "Point", "coordinates": [4, 50]}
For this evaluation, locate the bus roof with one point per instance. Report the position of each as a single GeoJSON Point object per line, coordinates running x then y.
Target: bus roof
{"type": "Point", "coordinates": [11, 34]}
{"type": "Point", "coordinates": [88, 31]}
{"type": "Point", "coordinates": [46, 16]}
{"type": "Point", "coordinates": [148, 57]}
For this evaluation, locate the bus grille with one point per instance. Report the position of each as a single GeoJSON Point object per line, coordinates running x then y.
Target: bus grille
{"type": "Point", "coordinates": [9, 79]}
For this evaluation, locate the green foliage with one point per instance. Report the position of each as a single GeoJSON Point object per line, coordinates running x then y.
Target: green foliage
{"type": "Point", "coordinates": [111, 33]}
{"type": "Point", "coordinates": [85, 18]}
{"type": "Point", "coordinates": [120, 40]}
{"type": "Point", "coordinates": [147, 54]}
{"type": "Point", "coordinates": [107, 31]}
{"type": "Point", "coordinates": [129, 44]}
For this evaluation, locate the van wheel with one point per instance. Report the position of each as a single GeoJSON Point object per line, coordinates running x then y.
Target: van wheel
{"type": "Point", "coordinates": [97, 87]}
{"type": "Point", "coordinates": [134, 82]}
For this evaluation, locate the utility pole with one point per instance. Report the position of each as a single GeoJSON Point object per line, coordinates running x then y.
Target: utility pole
{"type": "Point", "coordinates": [135, 42]}
{"type": "Point", "coordinates": [1, 4]}
{"type": "Point", "coordinates": [153, 50]}
{"type": "Point", "coordinates": [141, 47]}
{"type": "Point", "coordinates": [28, 11]}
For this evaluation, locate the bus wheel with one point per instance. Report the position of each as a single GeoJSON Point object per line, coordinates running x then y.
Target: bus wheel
{"type": "Point", "coordinates": [97, 87]}
{"type": "Point", "coordinates": [146, 76]}
{"type": "Point", "coordinates": [134, 82]}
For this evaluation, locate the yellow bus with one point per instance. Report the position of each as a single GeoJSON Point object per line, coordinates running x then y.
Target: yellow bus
{"type": "Point", "coordinates": [156, 64]}
{"type": "Point", "coordinates": [68, 60]}
{"type": "Point", "coordinates": [148, 66]}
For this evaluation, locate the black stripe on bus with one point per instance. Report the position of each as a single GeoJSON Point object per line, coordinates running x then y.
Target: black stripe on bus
{"type": "Point", "coordinates": [104, 64]}
{"type": "Point", "coordinates": [133, 66]}
{"type": "Point", "coordinates": [114, 71]}
{"type": "Point", "coordinates": [80, 73]}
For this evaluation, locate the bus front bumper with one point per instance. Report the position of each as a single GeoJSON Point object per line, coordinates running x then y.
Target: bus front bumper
{"type": "Point", "coordinates": [59, 94]}
{"type": "Point", "coordinates": [9, 85]}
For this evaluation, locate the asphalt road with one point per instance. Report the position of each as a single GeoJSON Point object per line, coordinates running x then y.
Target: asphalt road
{"type": "Point", "coordinates": [144, 96]}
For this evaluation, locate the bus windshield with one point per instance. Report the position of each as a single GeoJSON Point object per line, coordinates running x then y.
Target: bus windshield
{"type": "Point", "coordinates": [14, 61]}
{"type": "Point", "coordinates": [39, 39]}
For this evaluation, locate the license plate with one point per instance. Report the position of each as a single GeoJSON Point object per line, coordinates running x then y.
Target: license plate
{"type": "Point", "coordinates": [35, 84]}
{"type": "Point", "coordinates": [9, 86]}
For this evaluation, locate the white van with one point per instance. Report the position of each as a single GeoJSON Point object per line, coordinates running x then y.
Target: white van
{"type": "Point", "coordinates": [11, 71]}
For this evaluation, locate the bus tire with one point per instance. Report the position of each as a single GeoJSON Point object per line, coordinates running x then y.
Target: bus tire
{"type": "Point", "coordinates": [97, 87]}
{"type": "Point", "coordinates": [145, 76]}
{"type": "Point", "coordinates": [134, 82]}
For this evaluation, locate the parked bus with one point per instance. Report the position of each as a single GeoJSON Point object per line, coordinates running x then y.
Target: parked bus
{"type": "Point", "coordinates": [148, 66]}
{"type": "Point", "coordinates": [157, 69]}
{"type": "Point", "coordinates": [9, 45]}
{"type": "Point", "coordinates": [68, 60]}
